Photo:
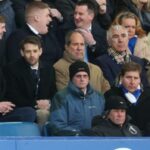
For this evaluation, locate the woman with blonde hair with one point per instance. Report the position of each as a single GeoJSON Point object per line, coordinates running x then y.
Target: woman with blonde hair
{"type": "Point", "coordinates": [139, 45]}
{"type": "Point", "coordinates": [140, 8]}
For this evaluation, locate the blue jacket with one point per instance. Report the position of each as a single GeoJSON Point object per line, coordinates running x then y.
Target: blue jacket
{"type": "Point", "coordinates": [71, 110]}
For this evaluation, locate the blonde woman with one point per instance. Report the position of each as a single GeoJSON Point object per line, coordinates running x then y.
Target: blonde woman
{"type": "Point", "coordinates": [140, 8]}
{"type": "Point", "coordinates": [139, 45]}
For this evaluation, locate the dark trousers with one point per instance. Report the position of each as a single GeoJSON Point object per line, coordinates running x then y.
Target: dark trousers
{"type": "Point", "coordinates": [25, 114]}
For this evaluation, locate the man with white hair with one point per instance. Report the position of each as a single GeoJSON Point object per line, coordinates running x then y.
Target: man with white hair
{"type": "Point", "coordinates": [111, 63]}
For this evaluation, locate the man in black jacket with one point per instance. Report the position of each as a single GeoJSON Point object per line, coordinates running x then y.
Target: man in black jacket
{"type": "Point", "coordinates": [29, 81]}
{"type": "Point", "coordinates": [115, 122]}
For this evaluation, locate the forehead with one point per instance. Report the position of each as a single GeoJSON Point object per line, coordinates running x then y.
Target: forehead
{"type": "Point", "coordinates": [118, 31]}
{"type": "Point", "coordinates": [2, 24]}
{"type": "Point", "coordinates": [76, 37]}
{"type": "Point", "coordinates": [132, 73]}
{"type": "Point", "coordinates": [128, 20]}
{"type": "Point", "coordinates": [81, 73]}
{"type": "Point", "coordinates": [30, 46]}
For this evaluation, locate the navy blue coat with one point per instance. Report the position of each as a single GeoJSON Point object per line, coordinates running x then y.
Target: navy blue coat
{"type": "Point", "coordinates": [111, 69]}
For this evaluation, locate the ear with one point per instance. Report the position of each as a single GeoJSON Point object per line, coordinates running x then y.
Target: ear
{"type": "Point", "coordinates": [36, 18]}
{"type": "Point", "coordinates": [22, 53]}
{"type": "Point", "coordinates": [41, 51]}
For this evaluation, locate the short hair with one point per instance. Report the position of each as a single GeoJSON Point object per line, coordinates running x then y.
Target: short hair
{"type": "Point", "coordinates": [2, 19]}
{"type": "Point", "coordinates": [129, 15]}
{"type": "Point", "coordinates": [114, 27]}
{"type": "Point", "coordinates": [68, 36]}
{"type": "Point", "coordinates": [32, 40]}
{"type": "Point", "coordinates": [130, 66]}
{"type": "Point", "coordinates": [33, 7]}
{"type": "Point", "coordinates": [92, 5]}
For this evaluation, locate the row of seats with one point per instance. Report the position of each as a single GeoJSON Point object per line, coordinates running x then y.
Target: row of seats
{"type": "Point", "coordinates": [20, 129]}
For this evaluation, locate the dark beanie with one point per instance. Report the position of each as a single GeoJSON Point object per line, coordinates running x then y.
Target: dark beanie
{"type": "Point", "coordinates": [77, 67]}
{"type": "Point", "coordinates": [115, 102]}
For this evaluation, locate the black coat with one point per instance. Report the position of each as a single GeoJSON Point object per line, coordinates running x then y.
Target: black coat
{"type": "Point", "coordinates": [107, 128]}
{"type": "Point", "coordinates": [111, 69]}
{"type": "Point", "coordinates": [20, 85]}
{"type": "Point", "coordinates": [51, 49]}
{"type": "Point", "coordinates": [139, 112]}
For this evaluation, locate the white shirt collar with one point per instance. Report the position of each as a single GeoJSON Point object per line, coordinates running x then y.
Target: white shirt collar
{"type": "Point", "coordinates": [33, 29]}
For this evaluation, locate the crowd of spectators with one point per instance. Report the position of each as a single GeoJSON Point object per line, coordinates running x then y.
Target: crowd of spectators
{"type": "Point", "coordinates": [82, 67]}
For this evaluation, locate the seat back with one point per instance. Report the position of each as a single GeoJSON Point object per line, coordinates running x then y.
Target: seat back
{"type": "Point", "coordinates": [19, 129]}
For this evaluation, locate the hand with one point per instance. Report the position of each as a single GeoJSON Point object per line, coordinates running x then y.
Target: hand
{"type": "Point", "coordinates": [88, 37]}
{"type": "Point", "coordinates": [55, 13]}
{"type": "Point", "coordinates": [43, 104]}
{"type": "Point", "coordinates": [6, 107]}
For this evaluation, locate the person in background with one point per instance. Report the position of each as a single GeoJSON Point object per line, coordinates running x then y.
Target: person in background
{"type": "Point", "coordinates": [115, 121]}
{"type": "Point", "coordinates": [73, 108]}
{"type": "Point", "coordinates": [38, 18]}
{"type": "Point", "coordinates": [29, 81]}
{"type": "Point", "coordinates": [118, 54]}
{"type": "Point", "coordinates": [140, 8]}
{"type": "Point", "coordinates": [129, 87]}
{"type": "Point", "coordinates": [74, 50]}
{"type": "Point", "coordinates": [139, 43]}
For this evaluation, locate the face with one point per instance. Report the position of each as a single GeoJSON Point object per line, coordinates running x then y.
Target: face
{"type": "Point", "coordinates": [76, 46]}
{"type": "Point", "coordinates": [102, 6]}
{"type": "Point", "coordinates": [130, 25]}
{"type": "Point", "coordinates": [119, 40]}
{"type": "Point", "coordinates": [131, 80]}
{"type": "Point", "coordinates": [81, 80]}
{"type": "Point", "coordinates": [117, 116]}
{"type": "Point", "coordinates": [2, 29]}
{"type": "Point", "coordinates": [31, 53]}
{"type": "Point", "coordinates": [83, 17]}
{"type": "Point", "coordinates": [43, 19]}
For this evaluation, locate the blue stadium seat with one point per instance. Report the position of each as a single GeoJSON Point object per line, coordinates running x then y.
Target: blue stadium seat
{"type": "Point", "coordinates": [19, 129]}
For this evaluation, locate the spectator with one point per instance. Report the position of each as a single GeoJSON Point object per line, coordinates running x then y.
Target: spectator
{"type": "Point", "coordinates": [140, 8]}
{"type": "Point", "coordinates": [94, 34]}
{"type": "Point", "coordinates": [75, 47]}
{"type": "Point", "coordinates": [29, 81]}
{"type": "Point", "coordinates": [130, 88]}
{"type": "Point", "coordinates": [37, 21]}
{"type": "Point", "coordinates": [139, 43]}
{"type": "Point", "coordinates": [6, 10]}
{"type": "Point", "coordinates": [115, 122]}
{"type": "Point", "coordinates": [74, 107]}
{"type": "Point", "coordinates": [118, 54]}
{"type": "Point", "coordinates": [8, 110]}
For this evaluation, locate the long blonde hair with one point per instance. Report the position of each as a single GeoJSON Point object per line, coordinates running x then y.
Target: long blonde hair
{"type": "Point", "coordinates": [125, 15]}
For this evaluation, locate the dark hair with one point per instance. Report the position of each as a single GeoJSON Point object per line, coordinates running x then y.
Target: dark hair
{"type": "Point", "coordinates": [32, 40]}
{"type": "Point", "coordinates": [91, 4]}
{"type": "Point", "coordinates": [2, 19]}
{"type": "Point", "coordinates": [130, 66]}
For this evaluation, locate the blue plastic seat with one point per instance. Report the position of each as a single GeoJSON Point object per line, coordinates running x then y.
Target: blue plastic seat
{"type": "Point", "coordinates": [19, 129]}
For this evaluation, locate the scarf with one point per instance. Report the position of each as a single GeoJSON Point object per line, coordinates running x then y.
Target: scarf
{"type": "Point", "coordinates": [132, 97]}
{"type": "Point", "coordinates": [119, 57]}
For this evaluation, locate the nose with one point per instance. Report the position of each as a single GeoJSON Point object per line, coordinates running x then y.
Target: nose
{"type": "Point", "coordinates": [76, 16]}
